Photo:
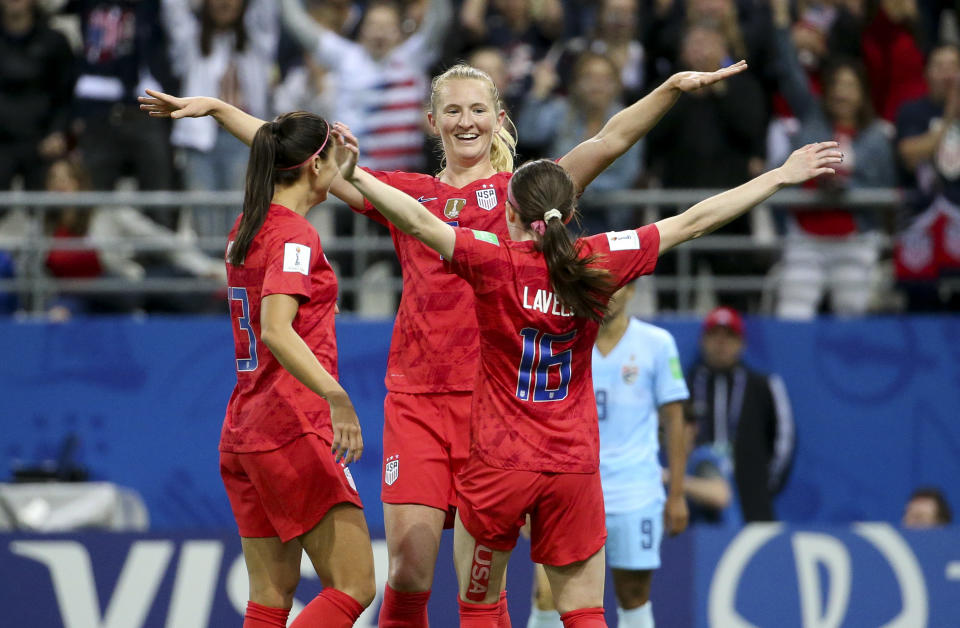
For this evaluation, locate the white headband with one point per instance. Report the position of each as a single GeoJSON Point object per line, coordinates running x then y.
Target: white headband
{"type": "Point", "coordinates": [550, 214]}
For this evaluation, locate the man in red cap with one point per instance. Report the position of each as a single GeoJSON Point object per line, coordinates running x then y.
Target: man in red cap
{"type": "Point", "coordinates": [743, 413]}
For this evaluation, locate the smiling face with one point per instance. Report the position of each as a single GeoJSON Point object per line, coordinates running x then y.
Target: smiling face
{"type": "Point", "coordinates": [844, 95]}
{"type": "Point", "coordinates": [465, 116]}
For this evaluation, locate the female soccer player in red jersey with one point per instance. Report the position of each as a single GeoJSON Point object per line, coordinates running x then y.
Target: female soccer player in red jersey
{"type": "Point", "coordinates": [289, 423]}
{"type": "Point", "coordinates": [540, 297]}
{"type": "Point", "coordinates": [434, 352]}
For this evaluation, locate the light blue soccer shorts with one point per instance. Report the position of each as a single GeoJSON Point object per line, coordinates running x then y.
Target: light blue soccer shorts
{"type": "Point", "coordinates": [633, 538]}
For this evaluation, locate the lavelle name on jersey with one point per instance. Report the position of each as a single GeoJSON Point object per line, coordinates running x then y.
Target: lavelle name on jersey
{"type": "Point", "coordinates": [546, 302]}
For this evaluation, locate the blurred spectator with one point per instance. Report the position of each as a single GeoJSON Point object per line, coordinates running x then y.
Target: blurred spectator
{"type": "Point", "coordinates": [929, 148]}
{"type": "Point", "coordinates": [830, 248]}
{"type": "Point", "coordinates": [707, 483]}
{"type": "Point", "coordinates": [109, 234]}
{"type": "Point", "coordinates": [228, 52]}
{"type": "Point", "coordinates": [123, 49]}
{"type": "Point", "coordinates": [614, 35]}
{"type": "Point", "coordinates": [36, 87]}
{"type": "Point", "coordinates": [893, 57]}
{"type": "Point", "coordinates": [525, 30]}
{"type": "Point", "coordinates": [712, 138]}
{"type": "Point", "coordinates": [745, 33]}
{"type": "Point", "coordinates": [926, 508]}
{"type": "Point", "coordinates": [559, 124]}
{"type": "Point", "coordinates": [381, 80]}
{"type": "Point", "coordinates": [743, 413]}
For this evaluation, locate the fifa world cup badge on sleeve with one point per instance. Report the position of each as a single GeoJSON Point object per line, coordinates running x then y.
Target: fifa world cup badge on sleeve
{"type": "Point", "coordinates": [296, 258]}
{"type": "Point", "coordinates": [391, 470]}
{"type": "Point", "coordinates": [487, 197]}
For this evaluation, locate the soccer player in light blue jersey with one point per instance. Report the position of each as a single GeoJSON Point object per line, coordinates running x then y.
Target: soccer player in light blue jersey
{"type": "Point", "coordinates": [639, 386]}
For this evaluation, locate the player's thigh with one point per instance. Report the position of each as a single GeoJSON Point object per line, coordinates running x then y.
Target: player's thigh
{"type": "Point", "coordinates": [273, 569]}
{"type": "Point", "coordinates": [413, 540]}
{"type": "Point", "coordinates": [578, 585]}
{"type": "Point", "coordinates": [417, 466]}
{"type": "Point", "coordinates": [633, 538]}
{"type": "Point", "coordinates": [340, 550]}
{"type": "Point", "coordinates": [477, 566]}
{"type": "Point", "coordinates": [542, 596]}
{"type": "Point", "coordinates": [631, 587]}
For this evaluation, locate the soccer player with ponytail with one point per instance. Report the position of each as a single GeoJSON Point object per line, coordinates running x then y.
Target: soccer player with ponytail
{"type": "Point", "coordinates": [434, 353]}
{"type": "Point", "coordinates": [290, 428]}
{"type": "Point", "coordinates": [540, 297]}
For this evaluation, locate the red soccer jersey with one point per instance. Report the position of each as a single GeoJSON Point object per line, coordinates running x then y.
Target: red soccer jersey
{"type": "Point", "coordinates": [533, 408]}
{"type": "Point", "coordinates": [269, 407]}
{"type": "Point", "coordinates": [435, 342]}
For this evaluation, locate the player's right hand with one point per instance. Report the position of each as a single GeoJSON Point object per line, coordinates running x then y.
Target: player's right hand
{"type": "Point", "coordinates": [347, 439]}
{"type": "Point", "coordinates": [811, 161]}
{"type": "Point", "coordinates": [160, 105]}
{"type": "Point", "coordinates": [348, 149]}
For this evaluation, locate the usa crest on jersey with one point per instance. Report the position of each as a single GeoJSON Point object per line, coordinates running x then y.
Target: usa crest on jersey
{"type": "Point", "coordinates": [391, 470]}
{"type": "Point", "coordinates": [487, 197]}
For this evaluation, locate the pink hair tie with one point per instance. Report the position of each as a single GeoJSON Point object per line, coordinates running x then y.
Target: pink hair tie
{"type": "Point", "coordinates": [539, 226]}
{"type": "Point", "coordinates": [311, 156]}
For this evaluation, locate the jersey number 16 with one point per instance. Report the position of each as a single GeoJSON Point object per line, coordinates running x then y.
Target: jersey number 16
{"type": "Point", "coordinates": [536, 360]}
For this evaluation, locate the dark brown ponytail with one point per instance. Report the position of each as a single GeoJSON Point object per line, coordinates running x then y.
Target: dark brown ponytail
{"type": "Point", "coordinates": [535, 189]}
{"type": "Point", "coordinates": [277, 149]}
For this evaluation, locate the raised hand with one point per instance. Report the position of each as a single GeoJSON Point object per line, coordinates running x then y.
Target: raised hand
{"type": "Point", "coordinates": [160, 105]}
{"type": "Point", "coordinates": [348, 149]}
{"type": "Point", "coordinates": [810, 161]}
{"type": "Point", "coordinates": [692, 81]}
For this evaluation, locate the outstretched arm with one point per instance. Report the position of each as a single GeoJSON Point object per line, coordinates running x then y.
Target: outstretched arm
{"type": "Point", "coordinates": [398, 207]}
{"type": "Point", "coordinates": [804, 163]}
{"type": "Point", "coordinates": [623, 130]}
{"type": "Point", "coordinates": [239, 123]}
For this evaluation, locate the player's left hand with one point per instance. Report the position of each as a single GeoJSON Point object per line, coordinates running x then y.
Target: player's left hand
{"type": "Point", "coordinates": [347, 439]}
{"type": "Point", "coordinates": [692, 81]}
{"type": "Point", "coordinates": [348, 149]}
{"type": "Point", "coordinates": [675, 515]}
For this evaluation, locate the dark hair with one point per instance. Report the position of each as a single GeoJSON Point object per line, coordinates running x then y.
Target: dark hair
{"type": "Point", "coordinates": [944, 516]}
{"type": "Point", "coordinates": [537, 187]}
{"type": "Point", "coordinates": [208, 29]}
{"type": "Point", "coordinates": [865, 114]}
{"type": "Point", "coordinates": [287, 141]}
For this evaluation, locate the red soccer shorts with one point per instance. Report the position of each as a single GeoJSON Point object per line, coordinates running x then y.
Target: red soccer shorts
{"type": "Point", "coordinates": [567, 522]}
{"type": "Point", "coordinates": [426, 440]}
{"type": "Point", "coordinates": [285, 492]}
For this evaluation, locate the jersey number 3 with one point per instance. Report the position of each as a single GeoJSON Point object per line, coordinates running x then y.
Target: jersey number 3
{"type": "Point", "coordinates": [536, 361]}
{"type": "Point", "coordinates": [245, 364]}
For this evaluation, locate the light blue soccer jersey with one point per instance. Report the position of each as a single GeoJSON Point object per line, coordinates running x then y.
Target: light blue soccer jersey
{"type": "Point", "coordinates": [641, 374]}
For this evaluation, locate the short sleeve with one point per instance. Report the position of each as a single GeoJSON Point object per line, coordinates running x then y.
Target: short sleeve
{"type": "Point", "coordinates": [626, 254]}
{"type": "Point", "coordinates": [478, 257]}
{"type": "Point", "coordinates": [289, 258]}
{"type": "Point", "coordinates": [670, 385]}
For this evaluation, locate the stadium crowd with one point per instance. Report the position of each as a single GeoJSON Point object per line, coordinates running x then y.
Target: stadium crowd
{"type": "Point", "coordinates": [882, 77]}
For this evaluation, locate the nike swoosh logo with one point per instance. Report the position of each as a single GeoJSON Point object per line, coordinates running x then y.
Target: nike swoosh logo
{"type": "Point", "coordinates": [424, 199]}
